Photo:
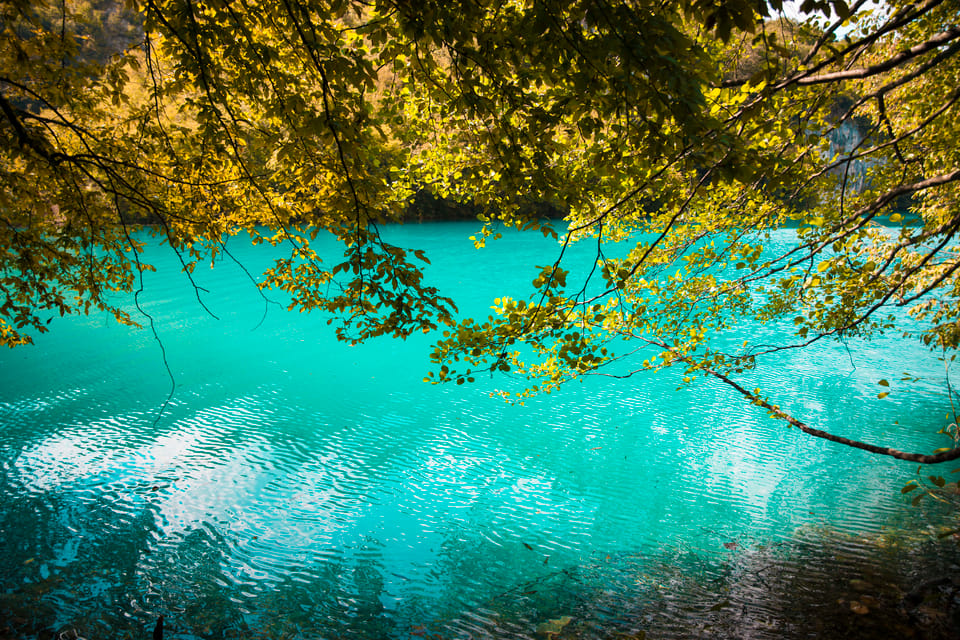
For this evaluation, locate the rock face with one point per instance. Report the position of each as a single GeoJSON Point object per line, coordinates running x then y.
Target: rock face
{"type": "Point", "coordinates": [845, 140]}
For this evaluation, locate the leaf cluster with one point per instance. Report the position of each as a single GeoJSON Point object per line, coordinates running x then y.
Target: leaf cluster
{"type": "Point", "coordinates": [678, 138]}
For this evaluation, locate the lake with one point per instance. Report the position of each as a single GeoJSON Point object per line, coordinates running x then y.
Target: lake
{"type": "Point", "coordinates": [298, 487]}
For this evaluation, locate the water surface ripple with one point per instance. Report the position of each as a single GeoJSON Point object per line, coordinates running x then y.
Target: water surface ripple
{"type": "Point", "coordinates": [297, 487]}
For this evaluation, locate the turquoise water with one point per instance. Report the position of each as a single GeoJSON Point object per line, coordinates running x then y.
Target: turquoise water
{"type": "Point", "coordinates": [298, 487]}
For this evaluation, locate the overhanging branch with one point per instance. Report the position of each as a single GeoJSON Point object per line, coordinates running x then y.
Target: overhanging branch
{"type": "Point", "coordinates": [777, 412]}
{"type": "Point", "coordinates": [935, 42]}
{"type": "Point", "coordinates": [921, 458]}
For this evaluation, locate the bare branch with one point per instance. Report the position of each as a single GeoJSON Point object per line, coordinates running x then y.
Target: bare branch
{"type": "Point", "coordinates": [922, 458]}
{"type": "Point", "coordinates": [933, 43]}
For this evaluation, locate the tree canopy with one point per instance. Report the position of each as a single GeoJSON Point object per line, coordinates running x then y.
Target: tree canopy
{"type": "Point", "coordinates": [689, 130]}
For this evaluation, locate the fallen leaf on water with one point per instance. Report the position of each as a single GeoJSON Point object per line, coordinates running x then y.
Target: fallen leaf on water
{"type": "Point", "coordinates": [554, 626]}
{"type": "Point", "coordinates": [730, 545]}
{"type": "Point", "coordinates": [858, 607]}
{"type": "Point", "coordinates": [528, 546]}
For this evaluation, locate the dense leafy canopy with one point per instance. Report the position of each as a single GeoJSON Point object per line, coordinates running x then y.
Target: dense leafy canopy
{"type": "Point", "coordinates": [692, 129]}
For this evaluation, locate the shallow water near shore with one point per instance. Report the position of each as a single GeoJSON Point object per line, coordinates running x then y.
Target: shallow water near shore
{"type": "Point", "coordinates": [298, 487]}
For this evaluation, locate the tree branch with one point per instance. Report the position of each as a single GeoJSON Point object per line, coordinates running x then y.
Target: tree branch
{"type": "Point", "coordinates": [935, 42]}
{"type": "Point", "coordinates": [922, 458]}
{"type": "Point", "coordinates": [23, 136]}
